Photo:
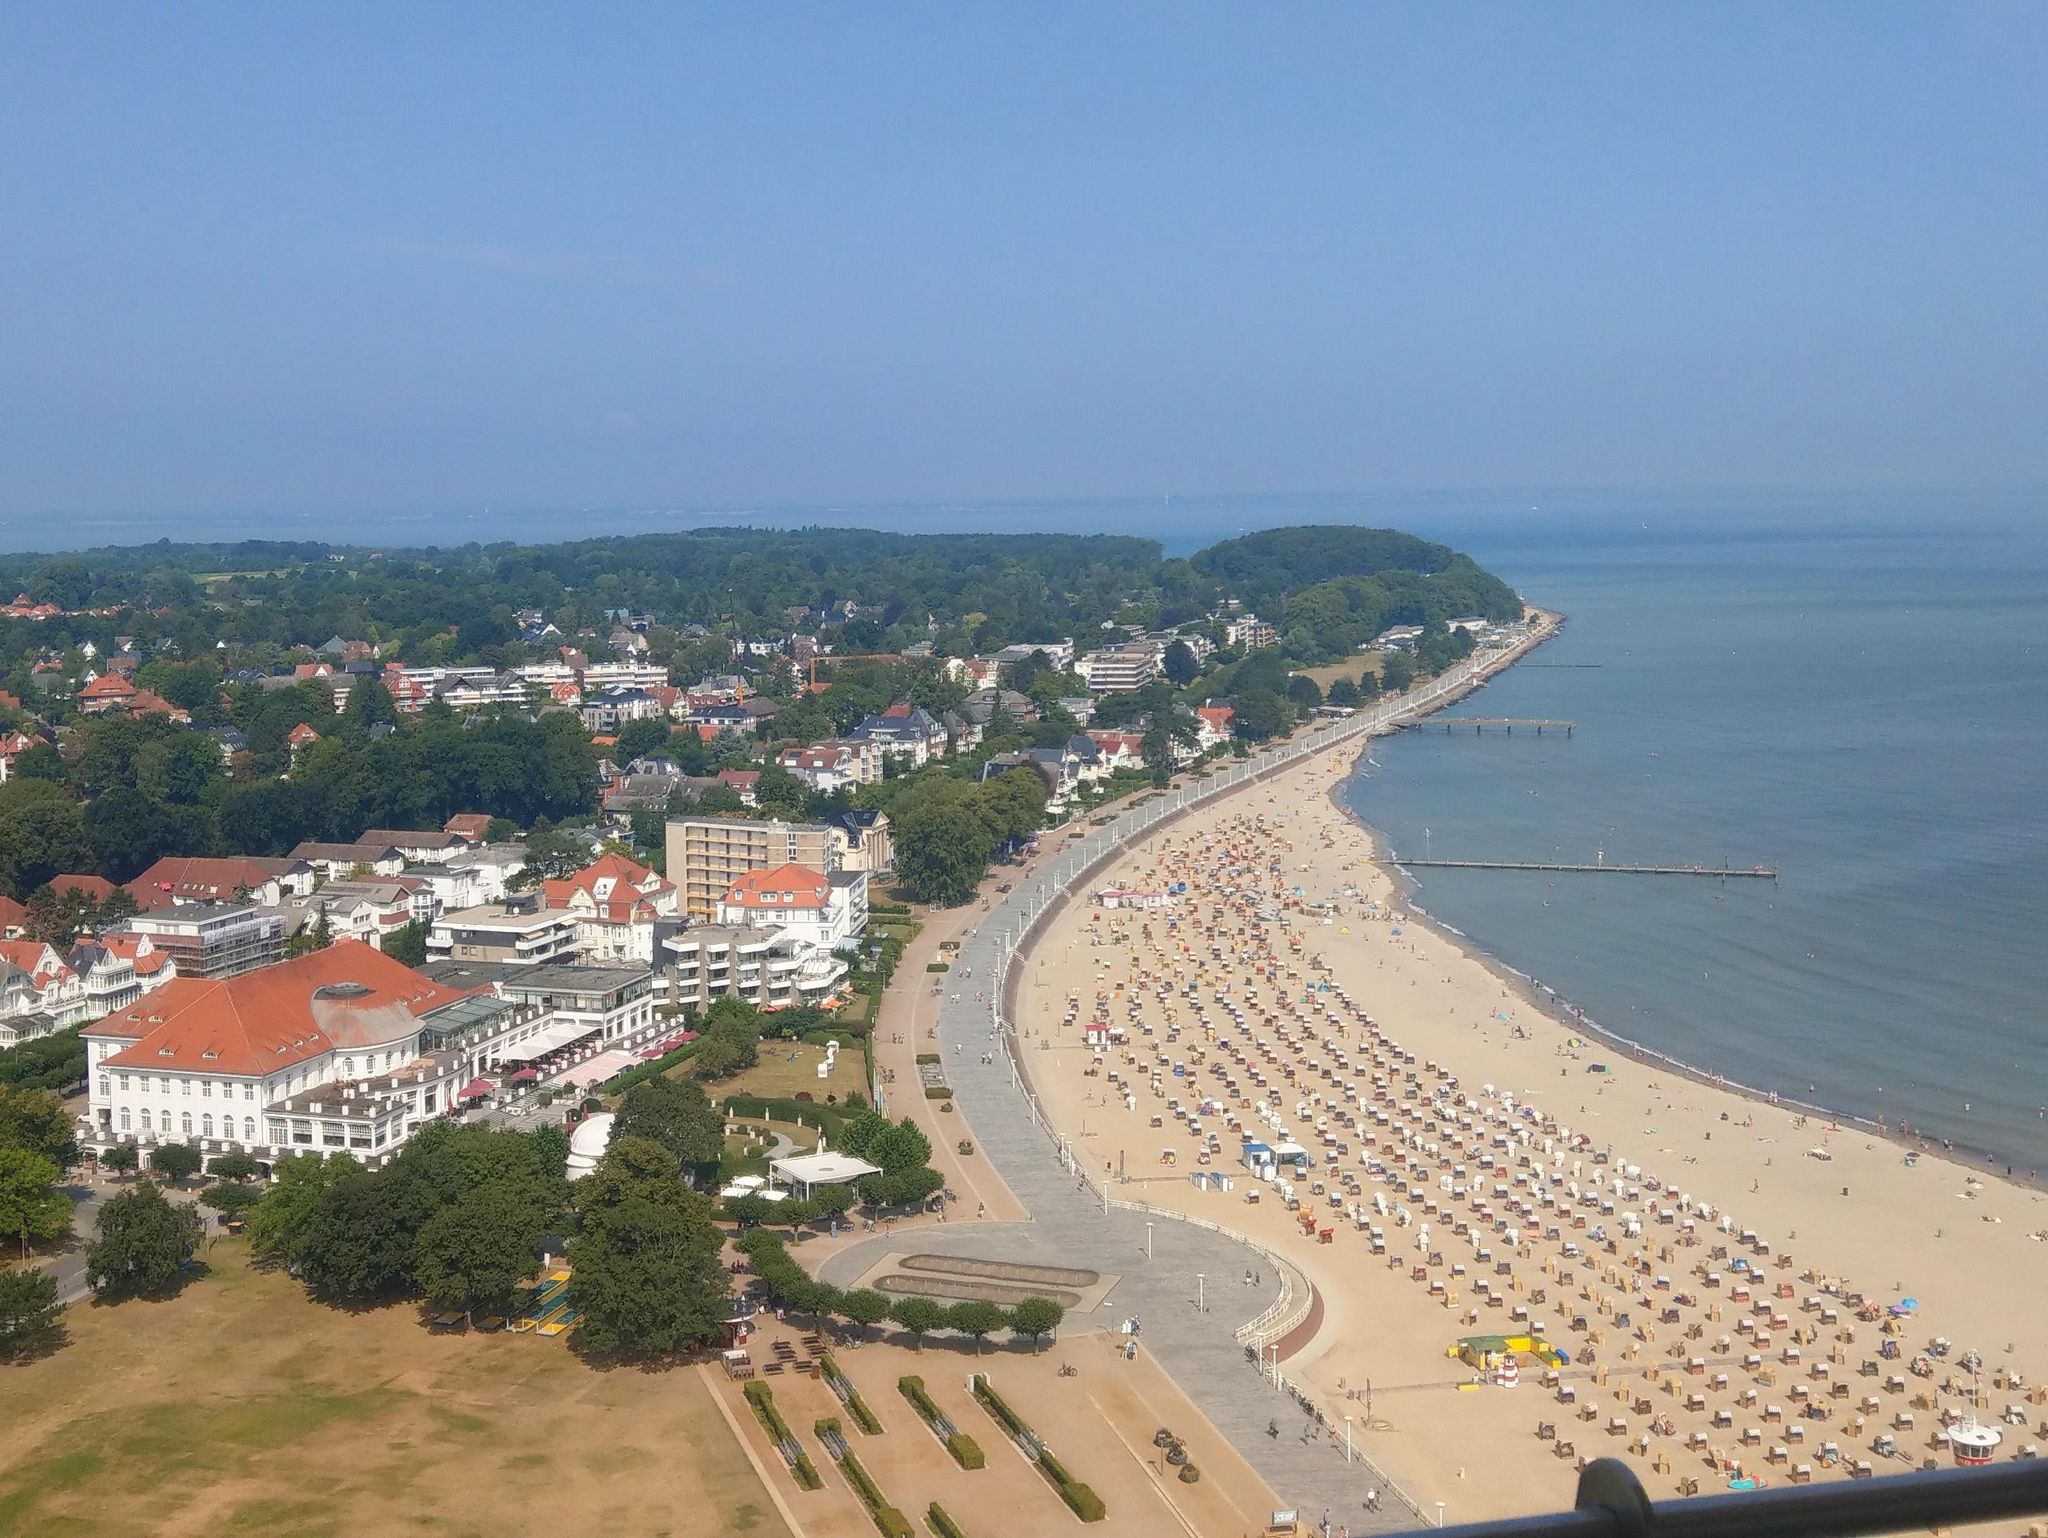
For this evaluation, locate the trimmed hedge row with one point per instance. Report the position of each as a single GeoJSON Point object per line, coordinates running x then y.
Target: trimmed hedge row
{"type": "Point", "coordinates": [891, 1522]}
{"type": "Point", "coordinates": [624, 1080]}
{"type": "Point", "coordinates": [938, 1092]}
{"type": "Point", "coordinates": [856, 1406]}
{"type": "Point", "coordinates": [942, 1524]}
{"type": "Point", "coordinates": [965, 1450]}
{"type": "Point", "coordinates": [1080, 1499]}
{"type": "Point", "coordinates": [762, 1398]}
{"type": "Point", "coordinates": [829, 1118]}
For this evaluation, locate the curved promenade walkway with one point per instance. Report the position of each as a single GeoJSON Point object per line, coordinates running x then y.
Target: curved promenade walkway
{"type": "Point", "coordinates": [1078, 1220]}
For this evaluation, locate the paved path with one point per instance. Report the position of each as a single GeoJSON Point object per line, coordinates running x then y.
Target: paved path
{"type": "Point", "coordinates": [1069, 1225]}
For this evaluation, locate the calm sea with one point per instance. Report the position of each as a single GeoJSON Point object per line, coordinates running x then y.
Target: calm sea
{"type": "Point", "coordinates": [1852, 688]}
{"type": "Point", "coordinates": [1860, 698]}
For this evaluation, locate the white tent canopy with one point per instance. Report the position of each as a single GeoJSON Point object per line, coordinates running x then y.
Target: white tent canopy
{"type": "Point", "coordinates": [821, 1169]}
{"type": "Point", "coordinates": [541, 1043]}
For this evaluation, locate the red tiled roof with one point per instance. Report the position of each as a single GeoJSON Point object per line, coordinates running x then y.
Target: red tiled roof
{"type": "Point", "coordinates": [626, 898]}
{"type": "Point", "coordinates": [12, 914]}
{"type": "Point", "coordinates": [177, 877]}
{"type": "Point", "coordinates": [785, 886]}
{"type": "Point", "coordinates": [470, 825]}
{"type": "Point", "coordinates": [108, 686]}
{"type": "Point", "coordinates": [274, 1017]}
{"type": "Point", "coordinates": [97, 888]}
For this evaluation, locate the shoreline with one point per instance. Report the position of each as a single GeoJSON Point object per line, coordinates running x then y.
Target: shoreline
{"type": "Point", "coordinates": [1982, 1162]}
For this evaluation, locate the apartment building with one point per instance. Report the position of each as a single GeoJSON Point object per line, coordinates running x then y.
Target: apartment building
{"type": "Point", "coordinates": [213, 941]}
{"type": "Point", "coordinates": [706, 855]}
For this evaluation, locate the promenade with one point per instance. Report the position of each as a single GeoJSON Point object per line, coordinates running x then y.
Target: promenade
{"type": "Point", "coordinates": [1075, 1221]}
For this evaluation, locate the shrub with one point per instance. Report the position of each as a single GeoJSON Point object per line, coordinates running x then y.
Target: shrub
{"type": "Point", "coordinates": [849, 1396]}
{"type": "Point", "coordinates": [942, 1524]}
{"type": "Point", "coordinates": [966, 1451]}
{"type": "Point", "coordinates": [928, 1057]}
{"type": "Point", "coordinates": [937, 966]}
{"type": "Point", "coordinates": [762, 1398]}
{"type": "Point", "coordinates": [891, 1522]}
{"type": "Point", "coordinates": [938, 1092]}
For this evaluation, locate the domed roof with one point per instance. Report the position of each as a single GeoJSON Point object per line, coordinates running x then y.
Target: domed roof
{"type": "Point", "coordinates": [588, 1142]}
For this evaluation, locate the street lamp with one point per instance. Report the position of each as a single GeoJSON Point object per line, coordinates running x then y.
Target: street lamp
{"type": "Point", "coordinates": [1439, 1513]}
{"type": "Point", "coordinates": [1148, 1238]}
{"type": "Point", "coordinates": [1347, 1439]}
{"type": "Point", "coordinates": [1201, 1293]}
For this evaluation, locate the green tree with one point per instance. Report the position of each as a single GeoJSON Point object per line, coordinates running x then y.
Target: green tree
{"type": "Point", "coordinates": [1180, 664]}
{"type": "Point", "coordinates": [900, 1148]}
{"type": "Point", "coordinates": [1037, 1318]}
{"type": "Point", "coordinates": [647, 1275]}
{"type": "Point", "coordinates": [677, 1115]}
{"type": "Point", "coordinates": [864, 1307]}
{"type": "Point", "coordinates": [176, 1161]}
{"type": "Point", "coordinates": [233, 1166]}
{"type": "Point", "coordinates": [35, 1120]}
{"type": "Point", "coordinates": [408, 944]}
{"type": "Point", "coordinates": [1344, 693]}
{"type": "Point", "coordinates": [145, 1241]}
{"type": "Point", "coordinates": [977, 1318]}
{"type": "Point", "coordinates": [31, 1206]}
{"type": "Point", "coordinates": [920, 1316]}
{"type": "Point", "coordinates": [357, 1242]}
{"type": "Point", "coordinates": [231, 1198]}
{"type": "Point", "coordinates": [477, 1249]}
{"type": "Point", "coordinates": [29, 1309]}
{"type": "Point", "coordinates": [1397, 671]}
{"type": "Point", "coordinates": [122, 1159]}
{"type": "Point", "coordinates": [284, 1216]}
{"type": "Point", "coordinates": [942, 850]}
{"type": "Point", "coordinates": [1261, 714]}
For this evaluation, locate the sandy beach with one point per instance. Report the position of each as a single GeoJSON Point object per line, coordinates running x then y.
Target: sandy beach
{"type": "Point", "coordinates": [1612, 1213]}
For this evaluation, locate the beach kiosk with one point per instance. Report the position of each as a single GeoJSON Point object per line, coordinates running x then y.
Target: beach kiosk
{"type": "Point", "coordinates": [1293, 1156]}
{"type": "Point", "coordinates": [1258, 1158]}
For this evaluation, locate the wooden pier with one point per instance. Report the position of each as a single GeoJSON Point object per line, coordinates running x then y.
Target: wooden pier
{"type": "Point", "coordinates": [1480, 724]}
{"type": "Point", "coordinates": [1726, 872]}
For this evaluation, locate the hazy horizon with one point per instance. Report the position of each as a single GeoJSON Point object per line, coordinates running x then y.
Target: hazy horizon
{"type": "Point", "coordinates": [287, 267]}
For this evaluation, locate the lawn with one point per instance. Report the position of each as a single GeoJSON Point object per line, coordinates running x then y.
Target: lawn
{"type": "Point", "coordinates": [239, 1407]}
{"type": "Point", "coordinates": [1350, 667]}
{"type": "Point", "coordinates": [788, 1068]}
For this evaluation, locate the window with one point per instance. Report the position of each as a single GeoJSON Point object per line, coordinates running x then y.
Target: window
{"type": "Point", "coordinates": [124, 1083]}
{"type": "Point", "coordinates": [248, 1129]}
{"type": "Point", "coordinates": [145, 1118]}
{"type": "Point", "coordinates": [106, 1086]}
{"type": "Point", "coordinates": [206, 1126]}
{"type": "Point", "coordinates": [186, 1119]}
{"type": "Point", "coordinates": [248, 1091]}
{"type": "Point", "coordinates": [206, 1089]}
{"type": "Point", "coordinates": [124, 1118]}
{"type": "Point", "coordinates": [185, 1086]}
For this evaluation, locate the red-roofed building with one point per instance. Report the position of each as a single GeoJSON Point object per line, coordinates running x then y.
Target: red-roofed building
{"type": "Point", "coordinates": [615, 902]}
{"type": "Point", "coordinates": [109, 694]}
{"type": "Point", "coordinates": [817, 909]}
{"type": "Point", "coordinates": [747, 782]}
{"type": "Point", "coordinates": [198, 878]}
{"type": "Point", "coordinates": [470, 825]}
{"type": "Point", "coordinates": [12, 746]}
{"type": "Point", "coordinates": [1212, 724]}
{"type": "Point", "coordinates": [37, 985]}
{"type": "Point", "coordinates": [342, 1050]}
{"type": "Point", "coordinates": [95, 889]}
{"type": "Point", "coordinates": [13, 917]}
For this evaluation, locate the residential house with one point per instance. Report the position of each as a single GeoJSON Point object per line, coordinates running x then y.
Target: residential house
{"type": "Point", "coordinates": [420, 846]}
{"type": "Point", "coordinates": [904, 731]}
{"type": "Point", "coordinates": [837, 763]}
{"type": "Point", "coordinates": [1213, 726]}
{"type": "Point", "coordinates": [870, 846]}
{"type": "Point", "coordinates": [330, 862]}
{"type": "Point", "coordinates": [473, 877]}
{"type": "Point", "coordinates": [1121, 668]}
{"type": "Point", "coordinates": [237, 878]}
{"type": "Point", "coordinates": [473, 826]}
{"type": "Point", "coordinates": [615, 903]}
{"type": "Point", "coordinates": [824, 909]}
{"type": "Point", "coordinates": [35, 980]}
{"type": "Point", "coordinates": [519, 929]}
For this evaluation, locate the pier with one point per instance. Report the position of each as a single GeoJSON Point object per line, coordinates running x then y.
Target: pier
{"type": "Point", "coordinates": [1746, 872]}
{"type": "Point", "coordinates": [1480, 724]}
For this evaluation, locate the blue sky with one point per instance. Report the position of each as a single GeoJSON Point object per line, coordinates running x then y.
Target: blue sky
{"type": "Point", "coordinates": [278, 259]}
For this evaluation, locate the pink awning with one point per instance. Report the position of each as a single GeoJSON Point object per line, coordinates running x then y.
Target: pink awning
{"type": "Point", "coordinates": [476, 1089]}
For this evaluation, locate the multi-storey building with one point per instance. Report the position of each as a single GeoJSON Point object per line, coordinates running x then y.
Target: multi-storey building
{"type": "Point", "coordinates": [213, 940]}
{"type": "Point", "coordinates": [706, 855]}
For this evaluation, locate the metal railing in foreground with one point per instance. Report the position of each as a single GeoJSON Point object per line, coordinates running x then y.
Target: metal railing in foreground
{"type": "Point", "coordinates": [1611, 1504]}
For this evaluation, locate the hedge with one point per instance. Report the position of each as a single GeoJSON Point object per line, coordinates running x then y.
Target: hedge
{"type": "Point", "coordinates": [762, 1398]}
{"type": "Point", "coordinates": [856, 1406]}
{"type": "Point", "coordinates": [1080, 1499]}
{"type": "Point", "coordinates": [893, 1523]}
{"type": "Point", "coordinates": [624, 1080]}
{"type": "Point", "coordinates": [965, 1450]}
{"type": "Point", "coordinates": [927, 1057]}
{"type": "Point", "coordinates": [942, 1524]}
{"type": "Point", "coordinates": [937, 966]}
{"type": "Point", "coordinates": [817, 1113]}
{"type": "Point", "coordinates": [938, 1092]}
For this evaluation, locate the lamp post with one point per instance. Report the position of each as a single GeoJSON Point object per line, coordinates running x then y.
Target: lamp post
{"type": "Point", "coordinates": [1347, 1439]}
{"type": "Point", "coordinates": [1439, 1513]}
{"type": "Point", "coordinates": [1148, 1238]}
{"type": "Point", "coordinates": [1201, 1293]}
